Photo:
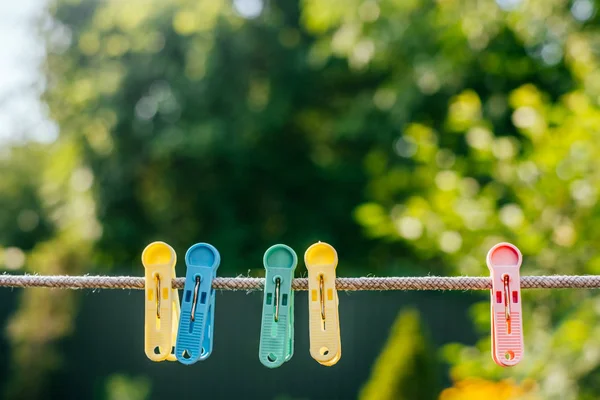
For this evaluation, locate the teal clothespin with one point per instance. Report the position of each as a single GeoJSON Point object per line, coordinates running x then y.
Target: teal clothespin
{"type": "Point", "coordinates": [196, 324]}
{"type": "Point", "coordinates": [277, 329]}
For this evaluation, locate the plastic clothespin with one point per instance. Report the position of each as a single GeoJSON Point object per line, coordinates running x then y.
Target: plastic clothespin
{"type": "Point", "coordinates": [325, 344]}
{"type": "Point", "coordinates": [277, 329]}
{"type": "Point", "coordinates": [504, 261]}
{"type": "Point", "coordinates": [195, 336]}
{"type": "Point", "coordinates": [162, 301]}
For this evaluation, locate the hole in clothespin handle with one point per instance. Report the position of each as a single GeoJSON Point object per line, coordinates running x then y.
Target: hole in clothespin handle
{"type": "Point", "coordinates": [504, 255]}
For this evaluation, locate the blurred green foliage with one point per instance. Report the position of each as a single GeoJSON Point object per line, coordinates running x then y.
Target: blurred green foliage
{"type": "Point", "coordinates": [413, 135]}
{"type": "Point", "coordinates": [121, 387]}
{"type": "Point", "coordinates": [407, 367]}
{"type": "Point", "coordinates": [477, 388]}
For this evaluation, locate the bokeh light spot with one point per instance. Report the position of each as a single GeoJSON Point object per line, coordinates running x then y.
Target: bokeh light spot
{"type": "Point", "coordinates": [405, 147]}
{"type": "Point", "coordinates": [28, 220]}
{"type": "Point", "coordinates": [446, 180]}
{"type": "Point", "coordinates": [450, 241]}
{"type": "Point", "coordinates": [248, 8]}
{"type": "Point", "coordinates": [511, 215]}
{"type": "Point", "coordinates": [369, 11]}
{"type": "Point", "coordinates": [14, 258]}
{"type": "Point", "coordinates": [582, 10]}
{"type": "Point", "coordinates": [410, 228]}
{"type": "Point", "coordinates": [82, 179]}
{"type": "Point", "coordinates": [479, 138]}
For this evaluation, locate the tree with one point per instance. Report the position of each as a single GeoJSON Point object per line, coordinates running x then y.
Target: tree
{"type": "Point", "coordinates": [442, 127]}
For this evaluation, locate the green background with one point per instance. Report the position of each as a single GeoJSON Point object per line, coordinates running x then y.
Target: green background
{"type": "Point", "coordinates": [411, 135]}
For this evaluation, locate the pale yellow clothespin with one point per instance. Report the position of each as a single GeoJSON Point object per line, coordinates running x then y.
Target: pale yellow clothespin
{"type": "Point", "coordinates": [325, 345]}
{"type": "Point", "coordinates": [162, 301]}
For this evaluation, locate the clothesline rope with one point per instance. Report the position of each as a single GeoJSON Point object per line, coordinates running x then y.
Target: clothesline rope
{"type": "Point", "coordinates": [346, 284]}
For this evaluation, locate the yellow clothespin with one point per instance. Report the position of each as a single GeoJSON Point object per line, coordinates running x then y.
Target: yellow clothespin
{"type": "Point", "coordinates": [162, 302]}
{"type": "Point", "coordinates": [325, 344]}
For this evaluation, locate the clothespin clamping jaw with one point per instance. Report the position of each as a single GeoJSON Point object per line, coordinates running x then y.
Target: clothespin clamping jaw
{"type": "Point", "coordinates": [504, 261]}
{"type": "Point", "coordinates": [195, 336]}
{"type": "Point", "coordinates": [162, 301]}
{"type": "Point", "coordinates": [277, 328]}
{"type": "Point", "coordinates": [325, 344]}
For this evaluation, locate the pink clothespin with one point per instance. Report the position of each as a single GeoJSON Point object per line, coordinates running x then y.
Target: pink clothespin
{"type": "Point", "coordinates": [504, 261]}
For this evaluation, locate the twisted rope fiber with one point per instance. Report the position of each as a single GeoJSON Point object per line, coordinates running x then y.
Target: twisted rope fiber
{"type": "Point", "coordinates": [346, 284]}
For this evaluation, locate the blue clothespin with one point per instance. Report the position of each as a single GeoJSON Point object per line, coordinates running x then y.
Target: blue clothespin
{"type": "Point", "coordinates": [277, 328]}
{"type": "Point", "coordinates": [196, 324]}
